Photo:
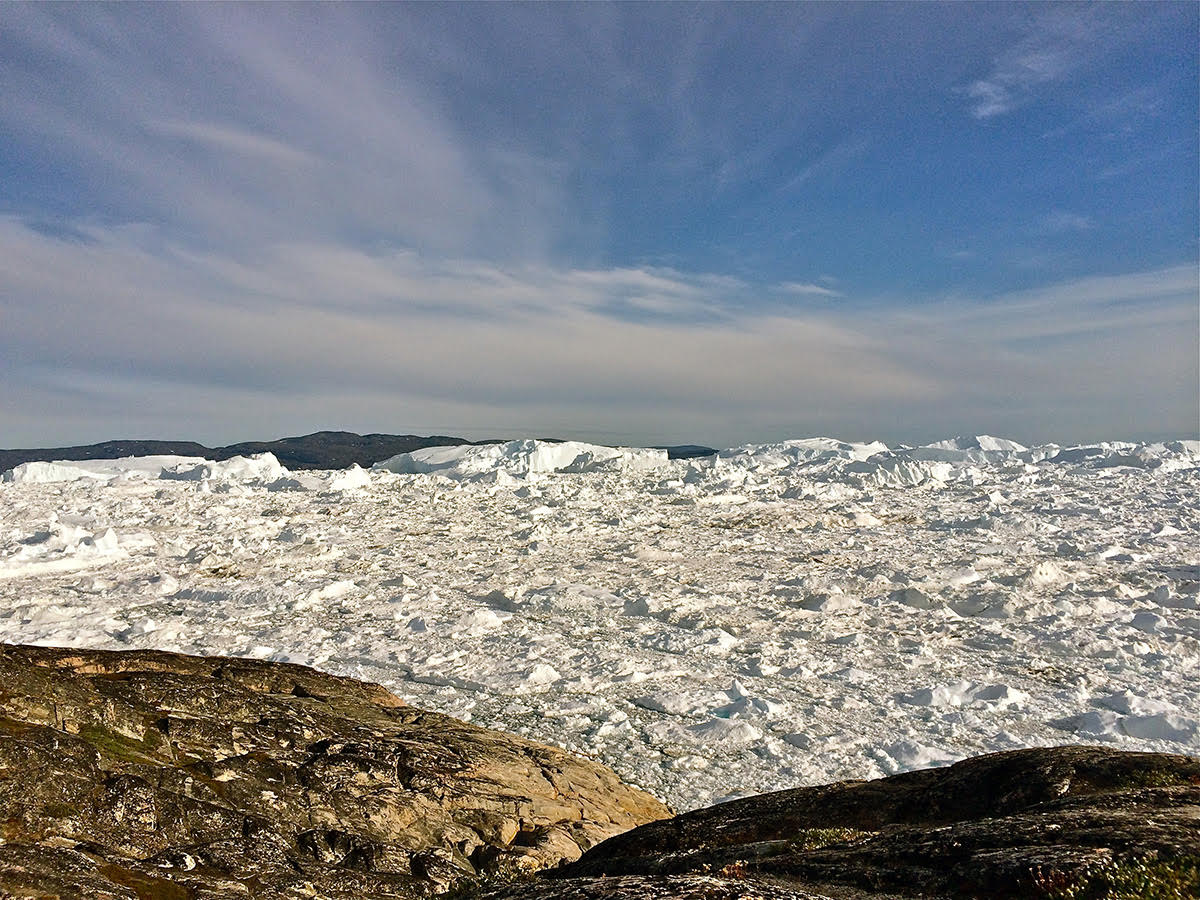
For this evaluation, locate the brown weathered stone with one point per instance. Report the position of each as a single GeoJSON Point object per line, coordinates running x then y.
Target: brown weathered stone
{"type": "Point", "coordinates": [149, 774]}
{"type": "Point", "coordinates": [1021, 823]}
{"type": "Point", "coordinates": [649, 887]}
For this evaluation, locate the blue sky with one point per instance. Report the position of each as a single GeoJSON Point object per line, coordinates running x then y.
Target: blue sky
{"type": "Point", "coordinates": [634, 223]}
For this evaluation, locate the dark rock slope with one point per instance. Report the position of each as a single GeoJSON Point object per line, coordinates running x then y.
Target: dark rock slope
{"type": "Point", "coordinates": [155, 775]}
{"type": "Point", "coordinates": [1062, 822]}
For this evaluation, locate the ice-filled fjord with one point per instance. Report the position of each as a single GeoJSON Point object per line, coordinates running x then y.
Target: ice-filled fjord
{"type": "Point", "coordinates": [778, 615]}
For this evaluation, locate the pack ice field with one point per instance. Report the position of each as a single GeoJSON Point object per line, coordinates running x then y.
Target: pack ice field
{"type": "Point", "coordinates": [774, 616]}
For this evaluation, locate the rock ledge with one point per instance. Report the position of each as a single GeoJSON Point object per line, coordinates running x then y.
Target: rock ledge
{"type": "Point", "coordinates": [1056, 822]}
{"type": "Point", "coordinates": [149, 774]}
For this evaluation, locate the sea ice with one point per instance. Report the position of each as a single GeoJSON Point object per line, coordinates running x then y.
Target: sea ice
{"type": "Point", "coordinates": [797, 612]}
{"type": "Point", "coordinates": [261, 469]}
{"type": "Point", "coordinates": [520, 458]}
{"type": "Point", "coordinates": [47, 473]}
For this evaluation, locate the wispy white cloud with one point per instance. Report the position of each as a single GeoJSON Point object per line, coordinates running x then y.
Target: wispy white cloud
{"type": "Point", "coordinates": [1061, 220]}
{"type": "Point", "coordinates": [1184, 149]}
{"type": "Point", "coordinates": [1111, 356]}
{"type": "Point", "coordinates": [1115, 305]}
{"type": "Point", "coordinates": [305, 334]}
{"type": "Point", "coordinates": [231, 139]}
{"type": "Point", "coordinates": [829, 164]}
{"type": "Point", "coordinates": [1011, 83]}
{"type": "Point", "coordinates": [316, 231]}
{"type": "Point", "coordinates": [275, 128]}
{"type": "Point", "coordinates": [1057, 43]}
{"type": "Point", "coordinates": [808, 288]}
{"type": "Point", "coordinates": [1121, 113]}
{"type": "Point", "coordinates": [442, 337]}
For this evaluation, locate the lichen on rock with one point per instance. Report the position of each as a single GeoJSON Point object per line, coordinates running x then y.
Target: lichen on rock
{"type": "Point", "coordinates": [146, 773]}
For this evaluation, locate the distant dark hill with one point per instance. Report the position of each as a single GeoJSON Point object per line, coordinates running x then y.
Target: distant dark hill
{"type": "Point", "coordinates": [339, 449]}
{"type": "Point", "coordinates": [320, 450]}
{"type": "Point", "coordinates": [688, 451]}
{"type": "Point", "coordinates": [106, 450]}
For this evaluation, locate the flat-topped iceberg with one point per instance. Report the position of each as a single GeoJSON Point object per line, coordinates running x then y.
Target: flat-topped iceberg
{"type": "Point", "coordinates": [520, 458]}
{"type": "Point", "coordinates": [984, 442]}
{"type": "Point", "coordinates": [971, 450]}
{"type": "Point", "coordinates": [99, 469]}
{"type": "Point", "coordinates": [46, 473]}
{"type": "Point", "coordinates": [901, 466]}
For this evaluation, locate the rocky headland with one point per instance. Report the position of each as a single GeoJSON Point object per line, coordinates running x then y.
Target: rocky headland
{"type": "Point", "coordinates": [146, 774]}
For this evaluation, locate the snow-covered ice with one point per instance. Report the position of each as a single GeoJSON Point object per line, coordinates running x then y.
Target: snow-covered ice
{"type": "Point", "coordinates": [774, 616]}
{"type": "Point", "coordinates": [518, 458]}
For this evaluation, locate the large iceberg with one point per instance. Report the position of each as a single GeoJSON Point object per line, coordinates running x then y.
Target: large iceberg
{"type": "Point", "coordinates": [125, 467]}
{"type": "Point", "coordinates": [260, 468]}
{"type": "Point", "coordinates": [972, 450]}
{"type": "Point", "coordinates": [519, 459]}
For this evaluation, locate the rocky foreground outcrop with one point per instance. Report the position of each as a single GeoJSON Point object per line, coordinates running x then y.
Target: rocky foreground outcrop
{"type": "Point", "coordinates": [145, 774]}
{"type": "Point", "coordinates": [1061, 822]}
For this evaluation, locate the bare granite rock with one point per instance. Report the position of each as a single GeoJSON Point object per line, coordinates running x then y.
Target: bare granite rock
{"type": "Point", "coordinates": [1067, 822]}
{"type": "Point", "coordinates": [148, 774]}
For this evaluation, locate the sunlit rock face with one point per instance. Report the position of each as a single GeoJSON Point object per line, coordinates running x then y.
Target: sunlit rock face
{"type": "Point", "coordinates": [157, 774]}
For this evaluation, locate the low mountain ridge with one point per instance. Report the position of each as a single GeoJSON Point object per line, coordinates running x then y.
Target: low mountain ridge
{"type": "Point", "coordinates": [319, 450]}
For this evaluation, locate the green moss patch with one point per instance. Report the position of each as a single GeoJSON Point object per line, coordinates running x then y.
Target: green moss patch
{"type": "Point", "coordinates": [816, 838]}
{"type": "Point", "coordinates": [115, 746]}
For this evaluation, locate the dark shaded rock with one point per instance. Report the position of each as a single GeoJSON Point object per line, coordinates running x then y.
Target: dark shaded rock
{"type": "Point", "coordinates": [149, 774]}
{"type": "Point", "coordinates": [337, 449]}
{"type": "Point", "coordinates": [320, 450]}
{"type": "Point", "coordinates": [104, 450]}
{"type": "Point", "coordinates": [688, 451]}
{"type": "Point", "coordinates": [1041, 823]}
{"type": "Point", "coordinates": [642, 887]}
{"type": "Point", "coordinates": [155, 775]}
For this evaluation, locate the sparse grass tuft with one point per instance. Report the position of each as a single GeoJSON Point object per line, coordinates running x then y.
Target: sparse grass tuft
{"type": "Point", "coordinates": [1130, 879]}
{"type": "Point", "coordinates": [116, 746]}
{"type": "Point", "coordinates": [816, 838]}
{"type": "Point", "coordinates": [1155, 778]}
